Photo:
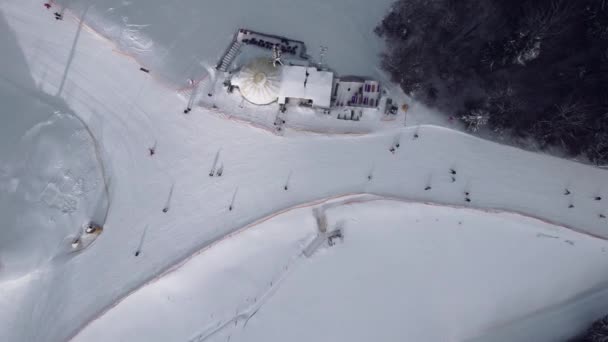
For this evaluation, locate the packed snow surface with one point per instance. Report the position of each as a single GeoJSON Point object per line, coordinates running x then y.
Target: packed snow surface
{"type": "Point", "coordinates": [81, 118]}
{"type": "Point", "coordinates": [404, 271]}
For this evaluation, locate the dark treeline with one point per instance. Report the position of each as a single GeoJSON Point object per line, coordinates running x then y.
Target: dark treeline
{"type": "Point", "coordinates": [528, 68]}
{"type": "Point", "coordinates": [598, 332]}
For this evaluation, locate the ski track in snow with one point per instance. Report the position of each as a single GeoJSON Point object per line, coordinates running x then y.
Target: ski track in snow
{"type": "Point", "coordinates": [249, 311]}
{"type": "Point", "coordinates": [121, 125]}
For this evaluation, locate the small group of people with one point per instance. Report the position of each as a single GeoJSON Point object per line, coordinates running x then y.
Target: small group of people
{"type": "Point", "coordinates": [394, 148]}
{"type": "Point", "coordinates": [58, 16]}
{"type": "Point", "coordinates": [567, 192]}
{"type": "Point", "coordinates": [291, 49]}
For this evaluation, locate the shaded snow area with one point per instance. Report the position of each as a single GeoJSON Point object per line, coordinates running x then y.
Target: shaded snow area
{"type": "Point", "coordinates": [51, 179]}
{"type": "Point", "coordinates": [80, 119]}
{"type": "Point", "coordinates": [176, 37]}
{"type": "Point", "coordinates": [403, 271]}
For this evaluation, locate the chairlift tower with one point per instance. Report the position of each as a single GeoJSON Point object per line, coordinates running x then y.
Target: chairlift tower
{"type": "Point", "coordinates": [276, 56]}
{"type": "Point", "coordinates": [322, 53]}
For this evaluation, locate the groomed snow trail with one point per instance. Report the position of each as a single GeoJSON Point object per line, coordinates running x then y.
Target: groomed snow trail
{"type": "Point", "coordinates": [131, 112]}
{"type": "Point", "coordinates": [256, 285]}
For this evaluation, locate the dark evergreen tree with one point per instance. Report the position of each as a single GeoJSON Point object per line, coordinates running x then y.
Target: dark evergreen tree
{"type": "Point", "coordinates": [598, 332]}
{"type": "Point", "coordinates": [529, 68]}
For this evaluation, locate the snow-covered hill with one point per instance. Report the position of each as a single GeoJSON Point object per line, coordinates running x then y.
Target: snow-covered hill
{"type": "Point", "coordinates": [70, 69]}
{"type": "Point", "coordinates": [402, 272]}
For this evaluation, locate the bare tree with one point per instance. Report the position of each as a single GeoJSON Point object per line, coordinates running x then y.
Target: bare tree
{"type": "Point", "coordinates": [598, 149]}
{"type": "Point", "coordinates": [565, 125]}
{"type": "Point", "coordinates": [549, 20]}
{"type": "Point", "coordinates": [476, 119]}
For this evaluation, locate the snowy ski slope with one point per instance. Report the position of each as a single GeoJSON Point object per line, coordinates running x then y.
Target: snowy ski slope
{"type": "Point", "coordinates": [405, 271]}
{"type": "Point", "coordinates": [72, 69]}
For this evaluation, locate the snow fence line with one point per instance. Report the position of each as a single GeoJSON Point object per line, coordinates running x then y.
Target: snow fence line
{"type": "Point", "coordinates": [325, 203]}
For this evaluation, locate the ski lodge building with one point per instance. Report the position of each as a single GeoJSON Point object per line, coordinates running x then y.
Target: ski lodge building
{"type": "Point", "coordinates": [261, 82]}
{"type": "Point", "coordinates": [307, 85]}
{"type": "Point", "coordinates": [354, 91]}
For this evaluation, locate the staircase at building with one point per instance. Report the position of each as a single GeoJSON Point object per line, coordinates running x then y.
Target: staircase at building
{"type": "Point", "coordinates": [229, 56]}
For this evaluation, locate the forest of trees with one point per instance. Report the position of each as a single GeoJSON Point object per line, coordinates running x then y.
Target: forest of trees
{"type": "Point", "coordinates": [524, 68]}
{"type": "Point", "coordinates": [598, 332]}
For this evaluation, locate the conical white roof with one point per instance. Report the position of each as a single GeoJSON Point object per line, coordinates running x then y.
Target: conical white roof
{"type": "Point", "coordinates": [258, 81]}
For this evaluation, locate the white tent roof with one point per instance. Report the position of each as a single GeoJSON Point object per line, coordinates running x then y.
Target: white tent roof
{"type": "Point", "coordinates": [318, 86]}
{"type": "Point", "coordinates": [258, 82]}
